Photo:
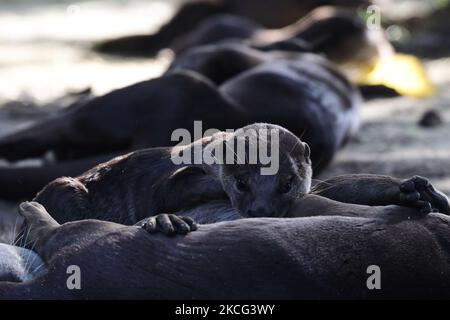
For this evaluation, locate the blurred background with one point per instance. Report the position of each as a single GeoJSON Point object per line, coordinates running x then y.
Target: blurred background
{"type": "Point", "coordinates": [44, 44]}
{"type": "Point", "coordinates": [45, 53]}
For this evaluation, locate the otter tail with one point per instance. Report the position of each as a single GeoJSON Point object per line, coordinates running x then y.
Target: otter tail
{"type": "Point", "coordinates": [24, 182]}
{"type": "Point", "coordinates": [35, 140]}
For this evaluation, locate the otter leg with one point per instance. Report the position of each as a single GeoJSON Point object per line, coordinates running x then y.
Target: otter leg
{"type": "Point", "coordinates": [378, 190]}
{"type": "Point", "coordinates": [364, 189]}
{"type": "Point", "coordinates": [18, 183]}
{"type": "Point", "coordinates": [418, 191]}
{"type": "Point", "coordinates": [314, 205]}
{"type": "Point", "coordinates": [66, 199]}
{"type": "Point", "coordinates": [168, 224]}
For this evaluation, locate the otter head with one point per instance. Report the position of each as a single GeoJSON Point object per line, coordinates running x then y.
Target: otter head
{"type": "Point", "coordinates": [262, 188]}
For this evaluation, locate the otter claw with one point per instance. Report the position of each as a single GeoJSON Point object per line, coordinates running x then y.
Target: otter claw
{"type": "Point", "coordinates": [410, 197]}
{"type": "Point", "coordinates": [169, 224]}
{"type": "Point", "coordinates": [421, 183]}
{"type": "Point", "coordinates": [424, 207]}
{"type": "Point", "coordinates": [149, 225]}
{"type": "Point", "coordinates": [407, 186]}
{"type": "Point", "coordinates": [418, 192]}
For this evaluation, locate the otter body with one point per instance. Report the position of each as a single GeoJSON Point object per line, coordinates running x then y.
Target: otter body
{"type": "Point", "coordinates": [297, 258]}
{"type": "Point", "coordinates": [303, 246]}
{"type": "Point", "coordinates": [339, 34]}
{"type": "Point", "coordinates": [148, 182]}
{"type": "Point", "coordinates": [144, 183]}
{"type": "Point", "coordinates": [307, 96]}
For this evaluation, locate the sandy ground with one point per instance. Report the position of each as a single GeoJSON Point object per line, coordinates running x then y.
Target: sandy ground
{"type": "Point", "coordinates": [39, 63]}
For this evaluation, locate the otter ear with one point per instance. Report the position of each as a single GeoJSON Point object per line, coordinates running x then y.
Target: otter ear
{"type": "Point", "coordinates": [307, 152]}
{"type": "Point", "coordinates": [184, 172]}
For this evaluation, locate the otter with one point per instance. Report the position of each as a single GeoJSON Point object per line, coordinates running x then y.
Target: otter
{"type": "Point", "coordinates": [319, 257]}
{"type": "Point", "coordinates": [267, 13]}
{"type": "Point", "coordinates": [144, 183]}
{"type": "Point", "coordinates": [306, 95]}
{"type": "Point", "coordinates": [339, 34]}
{"type": "Point", "coordinates": [223, 61]}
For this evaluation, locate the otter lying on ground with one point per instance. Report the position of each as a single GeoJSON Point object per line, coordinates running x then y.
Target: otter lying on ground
{"type": "Point", "coordinates": [149, 182]}
{"type": "Point", "coordinates": [261, 258]}
{"type": "Point", "coordinates": [221, 62]}
{"type": "Point", "coordinates": [307, 95]}
{"type": "Point", "coordinates": [268, 13]}
{"type": "Point", "coordinates": [340, 34]}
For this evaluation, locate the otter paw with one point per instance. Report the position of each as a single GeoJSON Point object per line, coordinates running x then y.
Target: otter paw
{"type": "Point", "coordinates": [418, 192]}
{"type": "Point", "coordinates": [169, 224]}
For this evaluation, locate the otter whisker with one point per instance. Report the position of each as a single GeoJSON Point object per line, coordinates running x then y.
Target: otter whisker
{"type": "Point", "coordinates": [302, 134]}
{"type": "Point", "coordinates": [293, 148]}
{"type": "Point", "coordinates": [30, 264]}
{"type": "Point", "coordinates": [32, 249]}
{"type": "Point", "coordinates": [38, 268]}
{"type": "Point", "coordinates": [323, 189]}
{"type": "Point", "coordinates": [25, 242]}
{"type": "Point", "coordinates": [239, 159]}
{"type": "Point", "coordinates": [18, 240]}
{"type": "Point", "coordinates": [21, 240]}
{"type": "Point", "coordinates": [14, 233]}
{"type": "Point", "coordinates": [321, 181]}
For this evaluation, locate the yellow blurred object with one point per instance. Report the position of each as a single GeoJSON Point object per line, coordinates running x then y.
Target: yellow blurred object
{"type": "Point", "coordinates": [401, 72]}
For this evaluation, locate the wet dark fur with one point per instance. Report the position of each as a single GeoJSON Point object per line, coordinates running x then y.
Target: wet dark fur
{"type": "Point", "coordinates": [144, 183]}
{"type": "Point", "coordinates": [298, 258]}
{"type": "Point", "coordinates": [258, 258]}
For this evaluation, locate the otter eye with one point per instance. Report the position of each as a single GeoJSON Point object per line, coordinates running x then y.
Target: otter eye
{"type": "Point", "coordinates": [287, 186]}
{"type": "Point", "coordinates": [241, 185]}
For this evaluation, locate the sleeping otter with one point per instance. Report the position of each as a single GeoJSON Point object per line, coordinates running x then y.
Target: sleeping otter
{"type": "Point", "coordinates": [223, 61]}
{"type": "Point", "coordinates": [151, 181]}
{"type": "Point", "coordinates": [148, 182]}
{"type": "Point", "coordinates": [338, 33]}
{"type": "Point", "coordinates": [324, 257]}
{"type": "Point", "coordinates": [306, 95]}
{"type": "Point", "coordinates": [341, 35]}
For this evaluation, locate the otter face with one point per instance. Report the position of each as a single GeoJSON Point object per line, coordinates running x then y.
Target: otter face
{"type": "Point", "coordinates": [258, 195]}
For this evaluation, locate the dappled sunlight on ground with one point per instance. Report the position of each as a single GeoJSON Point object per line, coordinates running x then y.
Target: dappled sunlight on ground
{"type": "Point", "coordinates": [43, 49]}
